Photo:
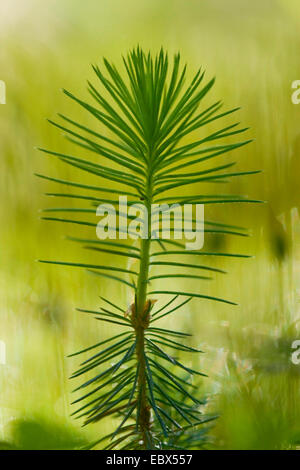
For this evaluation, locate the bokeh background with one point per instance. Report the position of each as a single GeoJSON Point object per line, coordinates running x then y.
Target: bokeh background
{"type": "Point", "coordinates": [253, 50]}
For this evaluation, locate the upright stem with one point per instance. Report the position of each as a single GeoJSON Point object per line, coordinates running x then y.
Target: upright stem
{"type": "Point", "coordinates": [141, 323]}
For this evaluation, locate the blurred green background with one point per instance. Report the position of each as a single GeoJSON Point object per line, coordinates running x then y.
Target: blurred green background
{"type": "Point", "coordinates": [253, 50]}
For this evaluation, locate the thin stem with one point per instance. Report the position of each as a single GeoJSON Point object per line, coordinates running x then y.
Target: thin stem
{"type": "Point", "coordinates": [143, 418]}
{"type": "Point", "coordinates": [141, 320]}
